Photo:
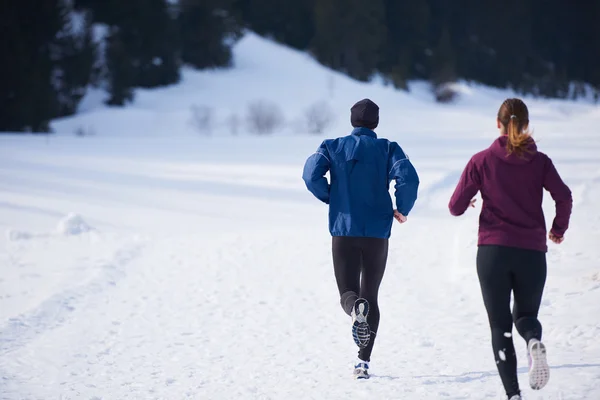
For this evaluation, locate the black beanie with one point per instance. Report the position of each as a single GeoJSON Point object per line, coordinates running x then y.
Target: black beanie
{"type": "Point", "coordinates": [365, 113]}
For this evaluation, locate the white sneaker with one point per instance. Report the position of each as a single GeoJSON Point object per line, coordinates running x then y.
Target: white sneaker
{"type": "Point", "coordinates": [361, 332]}
{"type": "Point", "coordinates": [539, 372]}
{"type": "Point", "coordinates": [361, 370]}
{"type": "Point", "coordinates": [515, 397]}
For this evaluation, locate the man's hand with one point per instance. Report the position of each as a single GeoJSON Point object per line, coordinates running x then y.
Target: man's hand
{"type": "Point", "coordinates": [399, 217]}
{"type": "Point", "coordinates": [556, 239]}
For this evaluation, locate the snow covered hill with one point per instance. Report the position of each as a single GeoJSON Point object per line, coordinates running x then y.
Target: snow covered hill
{"type": "Point", "coordinates": [154, 261]}
{"type": "Point", "coordinates": [293, 82]}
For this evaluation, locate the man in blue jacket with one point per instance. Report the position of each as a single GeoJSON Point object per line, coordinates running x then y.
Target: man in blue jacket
{"type": "Point", "coordinates": [361, 213]}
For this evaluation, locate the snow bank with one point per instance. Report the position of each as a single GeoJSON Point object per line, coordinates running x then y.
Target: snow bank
{"type": "Point", "coordinates": [72, 224]}
{"type": "Point", "coordinates": [13, 235]}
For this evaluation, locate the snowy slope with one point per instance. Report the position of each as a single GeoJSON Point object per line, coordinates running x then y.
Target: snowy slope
{"type": "Point", "coordinates": [294, 81]}
{"type": "Point", "coordinates": [206, 269]}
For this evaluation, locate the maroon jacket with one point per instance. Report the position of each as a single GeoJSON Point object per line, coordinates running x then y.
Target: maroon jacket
{"type": "Point", "coordinates": [512, 192]}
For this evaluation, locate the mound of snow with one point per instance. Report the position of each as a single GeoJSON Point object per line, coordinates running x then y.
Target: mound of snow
{"type": "Point", "coordinates": [73, 224]}
{"type": "Point", "coordinates": [14, 235]}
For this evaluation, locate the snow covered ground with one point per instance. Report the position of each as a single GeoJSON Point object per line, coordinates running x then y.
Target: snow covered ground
{"type": "Point", "coordinates": [150, 261]}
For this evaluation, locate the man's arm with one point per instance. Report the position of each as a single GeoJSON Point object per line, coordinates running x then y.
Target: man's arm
{"type": "Point", "coordinates": [315, 168]}
{"type": "Point", "coordinates": [407, 180]}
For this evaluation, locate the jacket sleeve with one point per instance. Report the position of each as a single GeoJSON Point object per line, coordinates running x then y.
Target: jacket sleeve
{"type": "Point", "coordinates": [315, 168]}
{"type": "Point", "coordinates": [468, 186]}
{"type": "Point", "coordinates": [563, 199]}
{"type": "Point", "coordinates": [407, 180]}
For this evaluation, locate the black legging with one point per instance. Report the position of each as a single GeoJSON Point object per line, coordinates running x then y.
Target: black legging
{"type": "Point", "coordinates": [503, 270]}
{"type": "Point", "coordinates": [351, 257]}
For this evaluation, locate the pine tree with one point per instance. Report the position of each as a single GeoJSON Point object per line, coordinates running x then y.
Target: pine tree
{"type": "Point", "coordinates": [142, 49]}
{"type": "Point", "coordinates": [208, 30]}
{"type": "Point", "coordinates": [288, 22]}
{"type": "Point", "coordinates": [27, 99]}
{"type": "Point", "coordinates": [349, 36]}
{"type": "Point", "coordinates": [121, 71]}
{"type": "Point", "coordinates": [443, 63]}
{"type": "Point", "coordinates": [406, 42]}
{"type": "Point", "coordinates": [74, 57]}
{"type": "Point", "coordinates": [152, 41]}
{"type": "Point", "coordinates": [12, 74]}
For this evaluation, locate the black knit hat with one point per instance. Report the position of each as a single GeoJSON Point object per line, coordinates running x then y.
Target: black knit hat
{"type": "Point", "coordinates": [365, 113]}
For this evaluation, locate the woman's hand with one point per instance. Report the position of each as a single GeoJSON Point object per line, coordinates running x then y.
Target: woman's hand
{"type": "Point", "coordinates": [556, 239]}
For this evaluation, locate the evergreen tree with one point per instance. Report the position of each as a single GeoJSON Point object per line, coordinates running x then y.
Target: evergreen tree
{"type": "Point", "coordinates": [142, 49]}
{"type": "Point", "coordinates": [74, 55]}
{"type": "Point", "coordinates": [151, 40]}
{"type": "Point", "coordinates": [121, 71]}
{"type": "Point", "coordinates": [27, 99]}
{"type": "Point", "coordinates": [349, 35]}
{"type": "Point", "coordinates": [288, 22]}
{"type": "Point", "coordinates": [208, 30]}
{"type": "Point", "coordinates": [405, 54]}
{"type": "Point", "coordinates": [443, 62]}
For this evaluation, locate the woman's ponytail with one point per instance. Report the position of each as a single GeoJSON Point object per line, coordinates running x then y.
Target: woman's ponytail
{"type": "Point", "coordinates": [514, 116]}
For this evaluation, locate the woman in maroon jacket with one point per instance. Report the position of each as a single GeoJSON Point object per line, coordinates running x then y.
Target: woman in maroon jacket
{"type": "Point", "coordinates": [511, 176]}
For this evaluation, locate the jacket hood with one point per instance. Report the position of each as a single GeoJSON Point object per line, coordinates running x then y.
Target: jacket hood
{"type": "Point", "coordinates": [364, 132]}
{"type": "Point", "coordinates": [498, 148]}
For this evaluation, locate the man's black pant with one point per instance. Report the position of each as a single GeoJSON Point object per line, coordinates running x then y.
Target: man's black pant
{"type": "Point", "coordinates": [359, 264]}
{"type": "Point", "coordinates": [503, 270]}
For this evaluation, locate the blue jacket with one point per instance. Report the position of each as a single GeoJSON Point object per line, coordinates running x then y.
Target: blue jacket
{"type": "Point", "coordinates": [361, 168]}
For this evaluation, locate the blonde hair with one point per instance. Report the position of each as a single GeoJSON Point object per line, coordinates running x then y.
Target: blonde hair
{"type": "Point", "coordinates": [514, 117]}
